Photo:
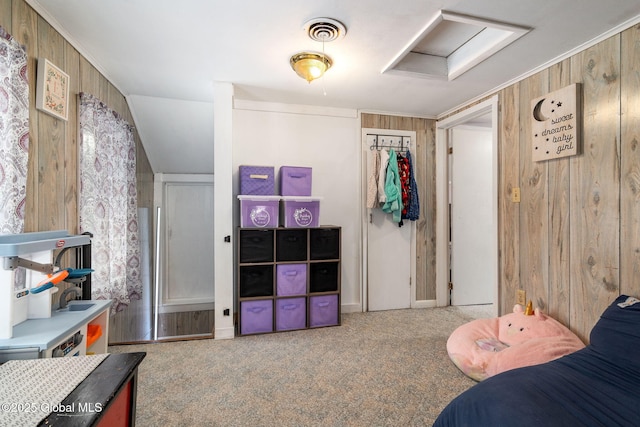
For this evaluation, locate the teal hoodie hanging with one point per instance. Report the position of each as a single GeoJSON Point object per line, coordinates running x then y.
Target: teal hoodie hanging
{"type": "Point", "coordinates": [392, 190]}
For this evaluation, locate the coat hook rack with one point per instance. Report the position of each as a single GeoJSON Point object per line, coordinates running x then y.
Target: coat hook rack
{"type": "Point", "coordinates": [397, 142]}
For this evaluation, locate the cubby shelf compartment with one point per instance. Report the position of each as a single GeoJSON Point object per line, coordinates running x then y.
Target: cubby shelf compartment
{"type": "Point", "coordinates": [288, 279]}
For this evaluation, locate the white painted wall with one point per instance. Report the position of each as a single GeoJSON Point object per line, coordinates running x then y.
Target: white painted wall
{"type": "Point", "coordinates": [326, 139]}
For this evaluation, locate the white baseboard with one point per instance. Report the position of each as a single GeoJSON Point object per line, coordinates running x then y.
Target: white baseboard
{"type": "Point", "coordinates": [351, 308]}
{"type": "Point", "coordinates": [224, 333]}
{"type": "Point", "coordinates": [427, 303]}
{"type": "Point", "coordinates": [357, 308]}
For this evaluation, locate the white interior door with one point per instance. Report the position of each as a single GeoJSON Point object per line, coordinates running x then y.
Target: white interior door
{"type": "Point", "coordinates": [188, 248]}
{"type": "Point", "coordinates": [389, 274]}
{"type": "Point", "coordinates": [390, 264]}
{"type": "Point", "coordinates": [472, 216]}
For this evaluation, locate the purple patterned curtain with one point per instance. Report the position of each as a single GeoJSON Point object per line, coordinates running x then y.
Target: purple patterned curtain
{"type": "Point", "coordinates": [108, 202]}
{"type": "Point", "coordinates": [14, 133]}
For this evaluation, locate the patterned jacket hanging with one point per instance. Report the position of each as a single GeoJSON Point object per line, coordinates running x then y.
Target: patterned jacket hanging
{"type": "Point", "coordinates": [404, 173]}
{"type": "Point", "coordinates": [413, 211]}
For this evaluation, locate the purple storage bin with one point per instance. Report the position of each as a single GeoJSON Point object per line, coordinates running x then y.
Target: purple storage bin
{"type": "Point", "coordinates": [323, 310]}
{"type": "Point", "coordinates": [257, 180]}
{"type": "Point", "coordinates": [291, 279]}
{"type": "Point", "coordinates": [256, 316]}
{"type": "Point", "coordinates": [291, 313]}
{"type": "Point", "coordinates": [295, 181]}
{"type": "Point", "coordinates": [259, 211]}
{"type": "Point", "coordinates": [300, 211]}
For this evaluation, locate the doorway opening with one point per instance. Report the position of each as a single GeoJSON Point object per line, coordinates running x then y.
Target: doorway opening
{"type": "Point", "coordinates": [184, 287]}
{"type": "Point", "coordinates": [453, 265]}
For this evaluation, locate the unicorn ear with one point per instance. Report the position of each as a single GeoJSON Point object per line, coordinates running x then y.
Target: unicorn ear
{"type": "Point", "coordinates": [517, 308]}
{"type": "Point", "coordinates": [539, 314]}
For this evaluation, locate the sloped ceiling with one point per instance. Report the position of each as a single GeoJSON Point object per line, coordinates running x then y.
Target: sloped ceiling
{"type": "Point", "coordinates": [165, 55]}
{"type": "Point", "coordinates": [182, 131]}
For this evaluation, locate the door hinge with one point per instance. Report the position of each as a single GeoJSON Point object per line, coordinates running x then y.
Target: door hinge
{"type": "Point", "coordinates": [450, 285]}
{"type": "Point", "coordinates": [450, 150]}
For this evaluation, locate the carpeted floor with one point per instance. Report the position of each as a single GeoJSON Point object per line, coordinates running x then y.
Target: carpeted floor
{"type": "Point", "coordinates": [385, 368]}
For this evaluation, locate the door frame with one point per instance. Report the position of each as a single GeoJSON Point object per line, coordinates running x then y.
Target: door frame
{"type": "Point", "coordinates": [442, 194]}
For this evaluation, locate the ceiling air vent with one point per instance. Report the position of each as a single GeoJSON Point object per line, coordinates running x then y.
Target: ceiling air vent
{"type": "Point", "coordinates": [324, 29]}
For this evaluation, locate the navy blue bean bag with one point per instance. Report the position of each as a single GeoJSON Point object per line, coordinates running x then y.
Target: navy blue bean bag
{"type": "Point", "coordinates": [596, 386]}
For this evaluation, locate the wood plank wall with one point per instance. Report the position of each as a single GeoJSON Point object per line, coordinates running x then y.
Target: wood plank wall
{"type": "Point", "coordinates": [572, 243]}
{"type": "Point", "coordinates": [630, 163]}
{"type": "Point", "coordinates": [52, 184]}
{"type": "Point", "coordinates": [424, 164]}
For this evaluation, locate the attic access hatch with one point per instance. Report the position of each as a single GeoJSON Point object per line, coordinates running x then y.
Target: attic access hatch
{"type": "Point", "coordinates": [451, 44]}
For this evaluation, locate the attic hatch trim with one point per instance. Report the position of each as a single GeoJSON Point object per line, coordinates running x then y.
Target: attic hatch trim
{"type": "Point", "coordinates": [491, 38]}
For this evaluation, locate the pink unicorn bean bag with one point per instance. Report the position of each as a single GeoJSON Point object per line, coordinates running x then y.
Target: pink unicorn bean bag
{"type": "Point", "coordinates": [486, 347]}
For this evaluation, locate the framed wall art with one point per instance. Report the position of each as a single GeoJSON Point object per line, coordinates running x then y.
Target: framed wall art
{"type": "Point", "coordinates": [555, 124]}
{"type": "Point", "coordinates": [52, 90]}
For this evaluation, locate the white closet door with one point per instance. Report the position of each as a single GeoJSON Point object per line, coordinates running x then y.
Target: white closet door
{"type": "Point", "coordinates": [390, 248]}
{"type": "Point", "coordinates": [389, 256]}
{"type": "Point", "coordinates": [188, 262]}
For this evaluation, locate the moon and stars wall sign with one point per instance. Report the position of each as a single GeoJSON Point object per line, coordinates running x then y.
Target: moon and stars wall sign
{"type": "Point", "coordinates": [555, 124]}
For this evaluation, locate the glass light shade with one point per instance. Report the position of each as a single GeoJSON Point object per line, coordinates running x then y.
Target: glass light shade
{"type": "Point", "coordinates": [310, 66]}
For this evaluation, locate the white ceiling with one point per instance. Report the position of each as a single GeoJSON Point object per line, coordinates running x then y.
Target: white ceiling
{"type": "Point", "coordinates": [165, 56]}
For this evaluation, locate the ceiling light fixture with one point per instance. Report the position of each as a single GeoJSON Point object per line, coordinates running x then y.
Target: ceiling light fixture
{"type": "Point", "coordinates": [312, 65]}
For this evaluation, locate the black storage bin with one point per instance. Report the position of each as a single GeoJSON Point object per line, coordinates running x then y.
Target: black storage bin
{"type": "Point", "coordinates": [256, 246]}
{"type": "Point", "coordinates": [291, 245]}
{"type": "Point", "coordinates": [256, 281]}
{"type": "Point", "coordinates": [324, 243]}
{"type": "Point", "coordinates": [323, 277]}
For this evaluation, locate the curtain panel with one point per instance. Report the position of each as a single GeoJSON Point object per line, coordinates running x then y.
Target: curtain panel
{"type": "Point", "coordinates": [14, 133]}
{"type": "Point", "coordinates": [108, 202]}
